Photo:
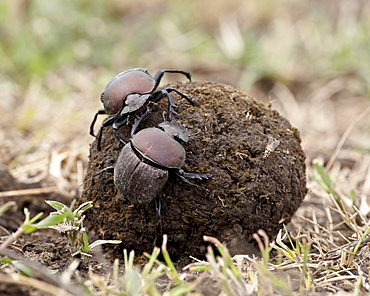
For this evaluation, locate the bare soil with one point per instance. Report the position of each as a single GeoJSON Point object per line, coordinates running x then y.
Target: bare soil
{"type": "Point", "coordinates": [243, 196]}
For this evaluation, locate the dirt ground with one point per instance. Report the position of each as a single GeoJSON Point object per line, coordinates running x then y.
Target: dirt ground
{"type": "Point", "coordinates": [309, 60]}
{"type": "Point", "coordinates": [49, 249]}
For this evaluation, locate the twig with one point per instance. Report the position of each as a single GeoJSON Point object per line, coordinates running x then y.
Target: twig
{"type": "Point", "coordinates": [30, 191]}
{"type": "Point", "coordinates": [11, 238]}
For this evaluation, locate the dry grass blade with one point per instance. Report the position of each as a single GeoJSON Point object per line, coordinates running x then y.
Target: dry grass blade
{"type": "Point", "coordinates": [30, 191]}
{"type": "Point", "coordinates": [34, 283]}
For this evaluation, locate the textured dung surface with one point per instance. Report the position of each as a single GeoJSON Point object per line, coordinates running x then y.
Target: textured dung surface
{"type": "Point", "coordinates": [246, 193]}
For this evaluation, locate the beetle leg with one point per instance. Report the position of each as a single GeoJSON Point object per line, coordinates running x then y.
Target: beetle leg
{"type": "Point", "coordinates": [199, 176]}
{"type": "Point", "coordinates": [122, 117]}
{"type": "Point", "coordinates": [138, 121]}
{"type": "Point", "coordinates": [157, 96]}
{"type": "Point", "coordinates": [171, 106]}
{"type": "Point", "coordinates": [109, 121]}
{"type": "Point", "coordinates": [98, 138]}
{"type": "Point", "coordinates": [118, 137]}
{"type": "Point", "coordinates": [120, 121]}
{"type": "Point", "coordinates": [100, 112]}
{"type": "Point", "coordinates": [107, 169]}
{"type": "Point", "coordinates": [170, 89]}
{"type": "Point", "coordinates": [184, 175]}
{"type": "Point", "coordinates": [159, 75]}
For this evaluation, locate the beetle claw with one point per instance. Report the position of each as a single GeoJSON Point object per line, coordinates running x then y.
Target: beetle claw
{"type": "Point", "coordinates": [184, 175]}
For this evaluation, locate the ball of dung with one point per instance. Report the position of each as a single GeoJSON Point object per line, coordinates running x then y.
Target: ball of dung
{"type": "Point", "coordinates": [248, 191]}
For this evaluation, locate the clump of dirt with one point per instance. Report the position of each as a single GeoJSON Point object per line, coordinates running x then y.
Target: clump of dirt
{"type": "Point", "coordinates": [229, 132]}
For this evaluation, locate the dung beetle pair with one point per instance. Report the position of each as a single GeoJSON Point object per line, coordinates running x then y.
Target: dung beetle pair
{"type": "Point", "coordinates": [134, 92]}
{"type": "Point", "coordinates": [145, 162]}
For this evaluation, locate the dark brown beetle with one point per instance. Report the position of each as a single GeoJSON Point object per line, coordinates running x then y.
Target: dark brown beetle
{"type": "Point", "coordinates": [131, 91]}
{"type": "Point", "coordinates": [144, 164]}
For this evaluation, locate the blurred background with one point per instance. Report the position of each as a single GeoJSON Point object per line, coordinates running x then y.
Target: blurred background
{"type": "Point", "coordinates": [311, 58]}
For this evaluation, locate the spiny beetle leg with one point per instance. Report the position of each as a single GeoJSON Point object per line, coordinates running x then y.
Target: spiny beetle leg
{"type": "Point", "coordinates": [159, 75]}
{"type": "Point", "coordinates": [109, 121]}
{"type": "Point", "coordinates": [107, 169]}
{"type": "Point", "coordinates": [100, 112]}
{"type": "Point", "coordinates": [139, 120]}
{"type": "Point", "coordinates": [184, 175]}
{"type": "Point", "coordinates": [171, 89]}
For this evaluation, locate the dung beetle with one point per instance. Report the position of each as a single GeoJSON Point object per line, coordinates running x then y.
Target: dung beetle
{"type": "Point", "coordinates": [144, 164]}
{"type": "Point", "coordinates": [147, 159]}
{"type": "Point", "coordinates": [131, 91]}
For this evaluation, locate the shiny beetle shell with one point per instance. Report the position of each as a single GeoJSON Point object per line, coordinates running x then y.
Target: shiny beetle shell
{"type": "Point", "coordinates": [131, 81]}
{"type": "Point", "coordinates": [139, 181]}
{"type": "Point", "coordinates": [135, 180]}
{"type": "Point", "coordinates": [160, 148]}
